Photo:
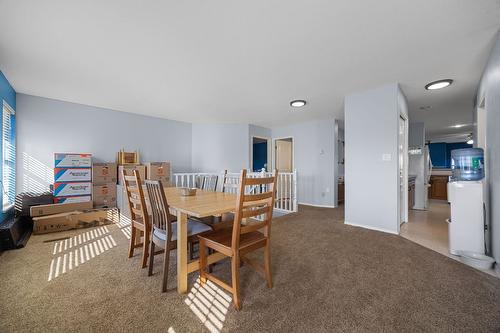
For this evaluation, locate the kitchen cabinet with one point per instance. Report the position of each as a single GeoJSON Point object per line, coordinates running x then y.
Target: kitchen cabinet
{"type": "Point", "coordinates": [439, 187]}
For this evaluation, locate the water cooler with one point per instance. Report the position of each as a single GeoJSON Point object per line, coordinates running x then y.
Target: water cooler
{"type": "Point", "coordinates": [466, 196]}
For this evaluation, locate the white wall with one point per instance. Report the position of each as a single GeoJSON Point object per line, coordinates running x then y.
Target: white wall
{"type": "Point", "coordinates": [371, 183]}
{"type": "Point", "coordinates": [45, 126]}
{"type": "Point", "coordinates": [489, 89]}
{"type": "Point", "coordinates": [314, 149]}
{"type": "Point", "coordinates": [217, 147]}
{"type": "Point", "coordinates": [260, 131]}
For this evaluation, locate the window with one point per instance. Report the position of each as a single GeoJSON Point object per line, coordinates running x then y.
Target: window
{"type": "Point", "coordinates": [8, 156]}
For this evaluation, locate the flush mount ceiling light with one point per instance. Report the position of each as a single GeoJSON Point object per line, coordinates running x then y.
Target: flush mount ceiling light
{"type": "Point", "coordinates": [458, 125]}
{"type": "Point", "coordinates": [440, 84]}
{"type": "Point", "coordinates": [297, 103]}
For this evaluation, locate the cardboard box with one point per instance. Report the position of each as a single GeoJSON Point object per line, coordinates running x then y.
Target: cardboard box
{"type": "Point", "coordinates": [72, 160]}
{"type": "Point", "coordinates": [72, 174]}
{"type": "Point", "coordinates": [43, 210]}
{"type": "Point", "coordinates": [104, 201]}
{"type": "Point", "coordinates": [103, 173]}
{"type": "Point", "coordinates": [72, 189]}
{"type": "Point", "coordinates": [74, 220]}
{"type": "Point", "coordinates": [141, 168]}
{"type": "Point", "coordinates": [81, 198]}
{"type": "Point", "coordinates": [103, 190]}
{"type": "Point", "coordinates": [158, 171]}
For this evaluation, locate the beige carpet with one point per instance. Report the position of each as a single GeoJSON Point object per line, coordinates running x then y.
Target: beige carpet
{"type": "Point", "coordinates": [327, 277]}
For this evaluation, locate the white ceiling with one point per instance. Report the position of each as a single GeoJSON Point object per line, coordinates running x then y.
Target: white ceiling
{"type": "Point", "coordinates": [243, 61]}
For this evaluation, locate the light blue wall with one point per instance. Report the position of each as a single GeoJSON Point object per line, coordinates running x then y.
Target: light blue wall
{"type": "Point", "coordinates": [46, 126]}
{"type": "Point", "coordinates": [371, 181]}
{"type": "Point", "coordinates": [489, 89]}
{"type": "Point", "coordinates": [220, 146]}
{"type": "Point", "coordinates": [7, 94]}
{"type": "Point", "coordinates": [314, 158]}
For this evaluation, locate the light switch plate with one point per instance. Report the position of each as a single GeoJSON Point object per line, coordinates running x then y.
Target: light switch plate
{"type": "Point", "coordinates": [386, 157]}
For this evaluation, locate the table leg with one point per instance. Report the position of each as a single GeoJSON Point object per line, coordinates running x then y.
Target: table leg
{"type": "Point", "coordinates": [182, 273]}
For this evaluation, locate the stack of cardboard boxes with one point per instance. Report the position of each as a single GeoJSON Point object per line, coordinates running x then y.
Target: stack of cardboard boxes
{"type": "Point", "coordinates": [104, 181]}
{"type": "Point", "coordinates": [151, 171]}
{"type": "Point", "coordinates": [158, 171]}
{"type": "Point", "coordinates": [72, 177]}
{"type": "Point", "coordinates": [67, 216]}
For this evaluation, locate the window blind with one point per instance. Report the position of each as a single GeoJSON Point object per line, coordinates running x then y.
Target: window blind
{"type": "Point", "coordinates": [8, 156]}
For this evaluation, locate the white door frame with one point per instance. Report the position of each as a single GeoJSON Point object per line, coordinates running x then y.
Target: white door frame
{"type": "Point", "coordinates": [274, 150]}
{"type": "Point", "coordinates": [404, 218]}
{"type": "Point", "coordinates": [269, 156]}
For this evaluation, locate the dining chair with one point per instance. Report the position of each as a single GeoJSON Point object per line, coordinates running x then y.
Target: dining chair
{"type": "Point", "coordinates": [230, 182]}
{"type": "Point", "coordinates": [139, 217]}
{"type": "Point", "coordinates": [237, 242]}
{"type": "Point", "coordinates": [207, 182]}
{"type": "Point", "coordinates": [164, 229]}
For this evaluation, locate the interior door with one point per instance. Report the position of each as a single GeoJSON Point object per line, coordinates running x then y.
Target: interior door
{"type": "Point", "coordinates": [284, 156]}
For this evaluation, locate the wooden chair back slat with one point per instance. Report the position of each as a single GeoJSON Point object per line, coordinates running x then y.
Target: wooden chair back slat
{"type": "Point", "coordinates": [159, 206]}
{"type": "Point", "coordinates": [251, 205]}
{"type": "Point", "coordinates": [135, 196]}
{"type": "Point", "coordinates": [246, 213]}
{"type": "Point", "coordinates": [259, 181]}
{"type": "Point", "coordinates": [256, 197]}
{"type": "Point", "coordinates": [207, 182]}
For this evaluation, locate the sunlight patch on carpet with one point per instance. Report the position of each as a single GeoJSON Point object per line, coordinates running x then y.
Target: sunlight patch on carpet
{"type": "Point", "coordinates": [72, 252]}
{"type": "Point", "coordinates": [210, 304]}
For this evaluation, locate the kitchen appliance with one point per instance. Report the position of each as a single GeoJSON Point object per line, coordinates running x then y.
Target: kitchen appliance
{"type": "Point", "coordinates": [420, 165]}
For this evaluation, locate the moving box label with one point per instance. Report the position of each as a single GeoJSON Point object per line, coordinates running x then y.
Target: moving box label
{"type": "Point", "coordinates": [72, 189]}
{"type": "Point", "coordinates": [69, 160]}
{"type": "Point", "coordinates": [72, 174]}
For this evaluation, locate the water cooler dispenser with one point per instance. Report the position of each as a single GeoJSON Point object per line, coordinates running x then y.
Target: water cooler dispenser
{"type": "Point", "coordinates": [466, 196]}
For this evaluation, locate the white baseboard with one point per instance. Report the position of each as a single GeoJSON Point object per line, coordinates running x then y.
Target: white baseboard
{"type": "Point", "coordinates": [319, 206]}
{"type": "Point", "coordinates": [371, 228]}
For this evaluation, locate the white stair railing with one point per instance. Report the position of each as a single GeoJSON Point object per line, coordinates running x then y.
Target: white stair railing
{"type": "Point", "coordinates": [286, 187]}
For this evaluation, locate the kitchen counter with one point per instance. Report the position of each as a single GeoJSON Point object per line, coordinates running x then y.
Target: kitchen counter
{"type": "Point", "coordinates": [441, 172]}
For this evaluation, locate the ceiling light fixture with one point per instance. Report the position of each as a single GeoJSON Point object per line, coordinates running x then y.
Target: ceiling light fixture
{"type": "Point", "coordinates": [470, 140]}
{"type": "Point", "coordinates": [297, 103]}
{"type": "Point", "coordinates": [440, 84]}
{"type": "Point", "coordinates": [458, 125]}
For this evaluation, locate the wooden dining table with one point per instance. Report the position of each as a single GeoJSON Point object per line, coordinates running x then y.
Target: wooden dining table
{"type": "Point", "coordinates": [204, 203]}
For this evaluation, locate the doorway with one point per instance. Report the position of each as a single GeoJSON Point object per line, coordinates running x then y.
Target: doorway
{"type": "Point", "coordinates": [283, 154]}
{"type": "Point", "coordinates": [260, 154]}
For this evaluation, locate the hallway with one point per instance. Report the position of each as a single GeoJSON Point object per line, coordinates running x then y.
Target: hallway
{"type": "Point", "coordinates": [429, 227]}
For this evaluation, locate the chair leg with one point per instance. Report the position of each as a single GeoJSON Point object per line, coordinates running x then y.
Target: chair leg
{"type": "Point", "coordinates": [235, 272]}
{"type": "Point", "coordinates": [145, 248]}
{"type": "Point", "coordinates": [203, 260]}
{"type": "Point", "coordinates": [151, 257]}
{"type": "Point", "coordinates": [166, 262]}
{"type": "Point", "coordinates": [132, 242]}
{"type": "Point", "coordinates": [267, 264]}
{"type": "Point", "coordinates": [191, 250]}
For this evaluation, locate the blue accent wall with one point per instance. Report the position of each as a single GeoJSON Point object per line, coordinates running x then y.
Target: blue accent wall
{"type": "Point", "coordinates": [259, 156]}
{"type": "Point", "coordinates": [8, 95]}
{"type": "Point", "coordinates": [441, 153]}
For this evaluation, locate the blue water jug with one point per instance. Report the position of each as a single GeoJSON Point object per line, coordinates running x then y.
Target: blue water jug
{"type": "Point", "coordinates": [467, 164]}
